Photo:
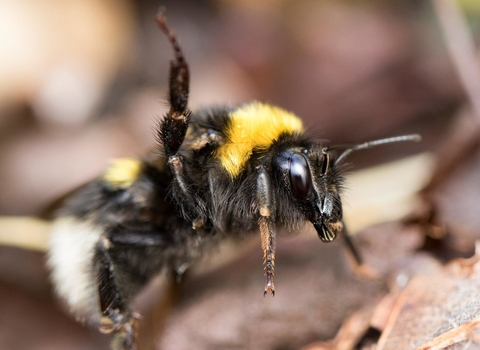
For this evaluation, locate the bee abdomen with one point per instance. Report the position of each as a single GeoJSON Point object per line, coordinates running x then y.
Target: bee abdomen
{"type": "Point", "coordinates": [72, 246]}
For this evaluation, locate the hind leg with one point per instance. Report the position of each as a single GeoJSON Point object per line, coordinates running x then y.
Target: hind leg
{"type": "Point", "coordinates": [115, 289]}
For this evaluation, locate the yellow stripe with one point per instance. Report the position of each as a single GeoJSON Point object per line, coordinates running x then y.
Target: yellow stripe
{"type": "Point", "coordinates": [254, 126]}
{"type": "Point", "coordinates": [123, 172]}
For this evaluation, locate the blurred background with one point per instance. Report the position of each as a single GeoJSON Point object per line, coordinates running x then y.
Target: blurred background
{"type": "Point", "coordinates": [82, 81]}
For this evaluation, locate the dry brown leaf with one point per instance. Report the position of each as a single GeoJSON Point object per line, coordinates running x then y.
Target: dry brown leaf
{"type": "Point", "coordinates": [436, 311]}
{"type": "Point", "coordinates": [351, 332]}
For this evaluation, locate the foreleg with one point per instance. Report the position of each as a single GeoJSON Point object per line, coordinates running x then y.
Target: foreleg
{"type": "Point", "coordinates": [358, 264]}
{"type": "Point", "coordinates": [266, 221]}
{"type": "Point", "coordinates": [173, 127]}
{"type": "Point", "coordinates": [352, 250]}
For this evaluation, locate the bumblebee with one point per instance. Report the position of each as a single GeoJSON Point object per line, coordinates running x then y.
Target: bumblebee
{"type": "Point", "coordinates": [216, 172]}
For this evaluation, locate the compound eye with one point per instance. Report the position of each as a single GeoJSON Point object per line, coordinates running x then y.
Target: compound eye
{"type": "Point", "coordinates": [300, 177]}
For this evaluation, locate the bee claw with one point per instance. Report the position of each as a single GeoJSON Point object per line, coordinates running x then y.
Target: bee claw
{"type": "Point", "coordinates": [269, 287]}
{"type": "Point", "coordinates": [269, 291]}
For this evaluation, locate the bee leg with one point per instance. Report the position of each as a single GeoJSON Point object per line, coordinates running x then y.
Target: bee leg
{"type": "Point", "coordinates": [120, 271]}
{"type": "Point", "coordinates": [355, 254]}
{"type": "Point", "coordinates": [175, 123]}
{"type": "Point", "coordinates": [195, 207]}
{"type": "Point", "coordinates": [266, 222]}
{"type": "Point", "coordinates": [116, 316]}
{"type": "Point", "coordinates": [180, 268]}
{"type": "Point", "coordinates": [358, 264]}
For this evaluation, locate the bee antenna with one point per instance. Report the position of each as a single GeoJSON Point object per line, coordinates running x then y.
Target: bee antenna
{"type": "Point", "coordinates": [349, 148]}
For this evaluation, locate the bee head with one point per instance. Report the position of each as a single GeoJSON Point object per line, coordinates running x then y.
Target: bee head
{"type": "Point", "coordinates": [313, 183]}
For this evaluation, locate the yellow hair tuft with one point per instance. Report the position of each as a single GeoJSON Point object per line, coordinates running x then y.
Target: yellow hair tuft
{"type": "Point", "coordinates": [254, 126]}
{"type": "Point", "coordinates": [123, 172]}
